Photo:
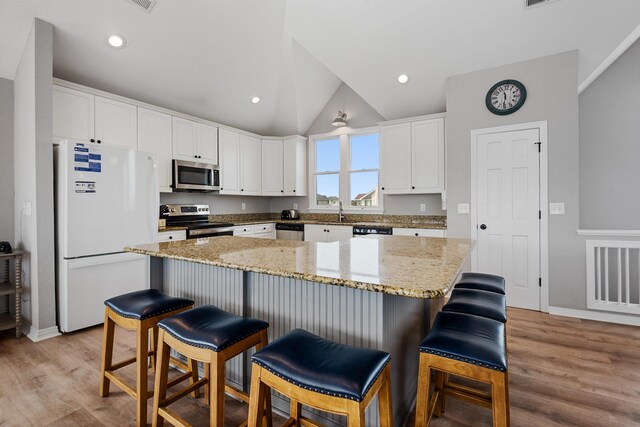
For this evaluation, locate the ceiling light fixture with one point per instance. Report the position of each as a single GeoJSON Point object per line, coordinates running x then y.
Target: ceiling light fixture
{"type": "Point", "coordinates": [255, 100]}
{"type": "Point", "coordinates": [403, 78]}
{"type": "Point", "coordinates": [341, 120]}
{"type": "Point", "coordinates": [116, 41]}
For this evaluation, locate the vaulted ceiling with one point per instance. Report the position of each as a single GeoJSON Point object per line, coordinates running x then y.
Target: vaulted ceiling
{"type": "Point", "coordinates": [210, 57]}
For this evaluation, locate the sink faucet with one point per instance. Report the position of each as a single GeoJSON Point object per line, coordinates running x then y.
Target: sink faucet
{"type": "Point", "coordinates": [340, 211]}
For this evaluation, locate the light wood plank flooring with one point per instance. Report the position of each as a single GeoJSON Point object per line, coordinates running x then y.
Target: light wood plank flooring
{"type": "Point", "coordinates": [563, 372]}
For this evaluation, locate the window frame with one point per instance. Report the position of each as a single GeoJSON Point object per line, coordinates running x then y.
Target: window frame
{"type": "Point", "coordinates": [344, 135]}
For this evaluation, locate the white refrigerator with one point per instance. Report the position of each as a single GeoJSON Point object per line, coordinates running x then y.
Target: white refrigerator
{"type": "Point", "coordinates": [106, 199]}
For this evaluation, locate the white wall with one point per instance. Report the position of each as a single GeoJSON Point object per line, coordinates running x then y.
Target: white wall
{"type": "Point", "coordinates": [33, 175]}
{"type": "Point", "coordinates": [6, 160]}
{"type": "Point", "coordinates": [610, 147]}
{"type": "Point", "coordinates": [552, 89]}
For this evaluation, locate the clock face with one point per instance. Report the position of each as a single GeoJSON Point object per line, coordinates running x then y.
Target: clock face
{"type": "Point", "coordinates": [506, 97]}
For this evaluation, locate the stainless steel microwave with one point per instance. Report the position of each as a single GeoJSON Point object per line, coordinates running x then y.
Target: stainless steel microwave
{"type": "Point", "coordinates": [193, 176]}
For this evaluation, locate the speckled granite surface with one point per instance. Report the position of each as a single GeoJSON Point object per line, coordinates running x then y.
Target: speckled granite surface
{"type": "Point", "coordinates": [420, 267]}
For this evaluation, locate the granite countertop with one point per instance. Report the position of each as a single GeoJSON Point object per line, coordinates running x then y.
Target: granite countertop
{"type": "Point", "coordinates": [420, 267]}
{"type": "Point", "coordinates": [322, 222]}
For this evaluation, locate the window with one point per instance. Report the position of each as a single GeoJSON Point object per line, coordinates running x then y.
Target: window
{"type": "Point", "coordinates": [346, 168]}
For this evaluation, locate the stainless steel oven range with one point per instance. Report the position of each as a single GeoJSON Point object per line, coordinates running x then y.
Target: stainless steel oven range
{"type": "Point", "coordinates": [196, 219]}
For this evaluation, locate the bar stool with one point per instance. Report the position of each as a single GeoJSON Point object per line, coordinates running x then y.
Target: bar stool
{"type": "Point", "coordinates": [212, 336]}
{"type": "Point", "coordinates": [487, 304]}
{"type": "Point", "coordinates": [482, 281]}
{"type": "Point", "coordinates": [468, 346]}
{"type": "Point", "coordinates": [137, 311]}
{"type": "Point", "coordinates": [316, 372]}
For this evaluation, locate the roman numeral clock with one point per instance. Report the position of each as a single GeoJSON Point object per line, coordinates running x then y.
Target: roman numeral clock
{"type": "Point", "coordinates": [506, 97]}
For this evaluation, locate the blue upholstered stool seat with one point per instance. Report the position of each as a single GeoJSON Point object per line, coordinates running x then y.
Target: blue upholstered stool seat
{"type": "Point", "coordinates": [482, 281]}
{"type": "Point", "coordinates": [479, 303]}
{"type": "Point", "coordinates": [323, 366]}
{"type": "Point", "coordinates": [144, 304]}
{"type": "Point", "coordinates": [469, 338]}
{"type": "Point", "coordinates": [211, 327]}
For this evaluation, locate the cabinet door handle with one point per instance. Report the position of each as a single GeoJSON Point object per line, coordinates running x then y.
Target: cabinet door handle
{"type": "Point", "coordinates": [416, 234]}
{"type": "Point", "coordinates": [99, 142]}
{"type": "Point", "coordinates": [92, 140]}
{"type": "Point", "coordinates": [170, 237]}
{"type": "Point", "coordinates": [383, 188]}
{"type": "Point", "coordinates": [294, 191]}
{"type": "Point", "coordinates": [413, 187]}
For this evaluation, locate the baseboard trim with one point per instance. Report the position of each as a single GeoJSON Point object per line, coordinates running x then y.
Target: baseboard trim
{"type": "Point", "coordinates": [596, 315]}
{"type": "Point", "coordinates": [37, 335]}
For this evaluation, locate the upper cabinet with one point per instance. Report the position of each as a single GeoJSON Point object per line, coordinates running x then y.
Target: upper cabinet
{"type": "Point", "coordinates": [250, 166]}
{"type": "Point", "coordinates": [194, 141]}
{"type": "Point", "coordinates": [412, 157]}
{"type": "Point", "coordinates": [154, 136]}
{"type": "Point", "coordinates": [85, 117]}
{"type": "Point", "coordinates": [229, 144]}
{"type": "Point", "coordinates": [295, 166]}
{"type": "Point", "coordinates": [272, 167]}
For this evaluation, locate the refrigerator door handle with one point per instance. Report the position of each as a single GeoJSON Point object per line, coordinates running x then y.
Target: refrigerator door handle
{"type": "Point", "coordinates": [155, 198]}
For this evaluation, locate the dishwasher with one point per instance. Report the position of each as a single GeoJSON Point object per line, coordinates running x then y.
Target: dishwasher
{"type": "Point", "coordinates": [289, 231]}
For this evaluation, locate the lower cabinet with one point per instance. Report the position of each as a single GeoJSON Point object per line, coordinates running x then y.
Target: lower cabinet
{"type": "Point", "coordinates": [419, 232]}
{"type": "Point", "coordinates": [171, 236]}
{"type": "Point", "coordinates": [260, 231]}
{"type": "Point", "coordinates": [327, 233]}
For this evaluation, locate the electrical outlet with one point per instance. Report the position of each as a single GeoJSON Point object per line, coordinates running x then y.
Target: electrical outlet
{"type": "Point", "coordinates": [556, 208]}
{"type": "Point", "coordinates": [463, 208]}
{"type": "Point", "coordinates": [295, 206]}
{"type": "Point", "coordinates": [26, 208]}
{"type": "Point", "coordinates": [244, 206]}
{"type": "Point", "coordinates": [423, 207]}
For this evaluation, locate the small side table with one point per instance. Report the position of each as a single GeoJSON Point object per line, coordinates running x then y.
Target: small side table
{"type": "Point", "coordinates": [7, 320]}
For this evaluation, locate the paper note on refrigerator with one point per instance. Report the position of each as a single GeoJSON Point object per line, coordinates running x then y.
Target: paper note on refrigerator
{"type": "Point", "coordinates": [86, 159]}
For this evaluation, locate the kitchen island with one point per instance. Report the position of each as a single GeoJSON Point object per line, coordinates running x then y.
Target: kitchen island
{"type": "Point", "coordinates": [371, 292]}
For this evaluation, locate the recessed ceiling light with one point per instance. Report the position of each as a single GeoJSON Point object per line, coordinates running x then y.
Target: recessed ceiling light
{"type": "Point", "coordinates": [116, 41]}
{"type": "Point", "coordinates": [255, 100]}
{"type": "Point", "coordinates": [403, 78]}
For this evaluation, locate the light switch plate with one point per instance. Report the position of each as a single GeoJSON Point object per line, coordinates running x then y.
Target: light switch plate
{"type": "Point", "coordinates": [244, 206]}
{"type": "Point", "coordinates": [463, 208]}
{"type": "Point", "coordinates": [26, 208]}
{"type": "Point", "coordinates": [423, 207]}
{"type": "Point", "coordinates": [556, 208]}
{"type": "Point", "coordinates": [295, 206]}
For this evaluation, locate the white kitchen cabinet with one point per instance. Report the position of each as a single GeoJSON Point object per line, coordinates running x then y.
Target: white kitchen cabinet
{"type": "Point", "coordinates": [259, 231]}
{"type": "Point", "coordinates": [412, 157]}
{"type": "Point", "coordinates": [172, 236]}
{"type": "Point", "coordinates": [419, 232]}
{"type": "Point", "coordinates": [195, 142]}
{"type": "Point", "coordinates": [395, 159]}
{"type": "Point", "coordinates": [85, 117]}
{"type": "Point", "coordinates": [250, 165]}
{"type": "Point", "coordinates": [229, 144]}
{"type": "Point", "coordinates": [272, 167]}
{"type": "Point", "coordinates": [327, 233]}
{"type": "Point", "coordinates": [154, 136]}
{"type": "Point", "coordinates": [73, 114]}
{"type": "Point", "coordinates": [295, 166]}
{"type": "Point", "coordinates": [116, 123]}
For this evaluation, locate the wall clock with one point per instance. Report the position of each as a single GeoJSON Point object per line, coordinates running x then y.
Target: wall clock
{"type": "Point", "coordinates": [506, 97]}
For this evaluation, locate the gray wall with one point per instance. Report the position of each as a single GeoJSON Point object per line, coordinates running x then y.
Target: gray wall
{"type": "Point", "coordinates": [33, 174]}
{"type": "Point", "coordinates": [553, 96]}
{"type": "Point", "coordinates": [6, 160]}
{"type": "Point", "coordinates": [610, 147]}
{"type": "Point", "coordinates": [220, 204]}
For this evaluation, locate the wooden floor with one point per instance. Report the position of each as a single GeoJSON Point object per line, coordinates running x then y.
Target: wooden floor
{"type": "Point", "coordinates": [563, 372]}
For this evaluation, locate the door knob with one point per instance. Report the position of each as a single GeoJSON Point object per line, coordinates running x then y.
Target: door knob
{"type": "Point", "coordinates": [483, 226]}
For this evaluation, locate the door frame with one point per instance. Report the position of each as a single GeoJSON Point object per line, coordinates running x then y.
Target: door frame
{"type": "Point", "coordinates": [544, 198]}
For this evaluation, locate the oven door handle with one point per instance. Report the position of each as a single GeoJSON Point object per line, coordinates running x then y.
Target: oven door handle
{"type": "Point", "coordinates": [210, 231]}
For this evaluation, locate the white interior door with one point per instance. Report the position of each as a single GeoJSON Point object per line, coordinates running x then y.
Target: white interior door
{"type": "Point", "coordinates": [508, 212]}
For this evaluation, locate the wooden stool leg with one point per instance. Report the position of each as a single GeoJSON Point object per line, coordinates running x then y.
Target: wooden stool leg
{"type": "Point", "coordinates": [207, 386]}
{"type": "Point", "coordinates": [445, 384]}
{"type": "Point", "coordinates": [424, 378]}
{"type": "Point", "coordinates": [154, 347]}
{"type": "Point", "coordinates": [142, 372]}
{"type": "Point", "coordinates": [264, 340]}
{"type": "Point", "coordinates": [355, 415]}
{"type": "Point", "coordinates": [107, 353]}
{"type": "Point", "coordinates": [193, 366]}
{"type": "Point", "coordinates": [216, 394]}
{"type": "Point", "coordinates": [295, 411]}
{"type": "Point", "coordinates": [384, 399]}
{"type": "Point", "coordinates": [162, 373]}
{"type": "Point", "coordinates": [256, 396]}
{"type": "Point", "coordinates": [439, 388]}
{"type": "Point", "coordinates": [500, 399]}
